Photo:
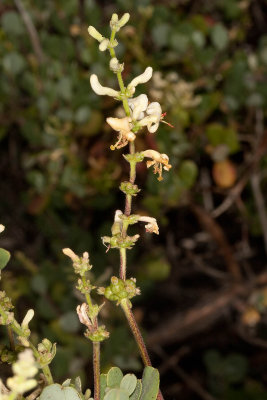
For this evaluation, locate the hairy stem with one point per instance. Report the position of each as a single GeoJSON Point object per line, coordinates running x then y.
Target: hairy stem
{"type": "Point", "coordinates": [123, 264]}
{"type": "Point", "coordinates": [96, 365]}
{"type": "Point", "coordinates": [136, 332]}
{"type": "Point", "coordinates": [11, 338]}
{"type": "Point", "coordinates": [138, 336]}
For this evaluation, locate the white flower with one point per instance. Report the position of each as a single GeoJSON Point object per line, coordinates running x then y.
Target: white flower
{"type": "Point", "coordinates": [102, 90]}
{"type": "Point", "coordinates": [24, 370]}
{"type": "Point", "coordinates": [28, 317]}
{"type": "Point", "coordinates": [2, 228]}
{"type": "Point", "coordinates": [151, 226]}
{"type": "Point", "coordinates": [104, 44]}
{"type": "Point", "coordinates": [153, 118]}
{"type": "Point", "coordinates": [159, 161]}
{"type": "Point", "coordinates": [143, 78]}
{"type": "Point", "coordinates": [115, 66]}
{"type": "Point", "coordinates": [138, 106]}
{"type": "Point", "coordinates": [123, 126]}
{"type": "Point", "coordinates": [82, 312]}
{"type": "Point", "coordinates": [68, 252]}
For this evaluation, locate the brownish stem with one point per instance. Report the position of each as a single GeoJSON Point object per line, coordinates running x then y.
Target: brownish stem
{"type": "Point", "coordinates": [96, 364]}
{"type": "Point", "coordinates": [11, 338]}
{"type": "Point", "coordinates": [138, 337]}
{"type": "Point", "coordinates": [123, 264]}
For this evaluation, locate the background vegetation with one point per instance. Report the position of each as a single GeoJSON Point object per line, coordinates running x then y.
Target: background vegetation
{"type": "Point", "coordinates": [203, 279]}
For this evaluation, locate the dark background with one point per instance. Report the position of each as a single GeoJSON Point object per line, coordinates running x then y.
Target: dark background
{"type": "Point", "coordinates": [203, 279]}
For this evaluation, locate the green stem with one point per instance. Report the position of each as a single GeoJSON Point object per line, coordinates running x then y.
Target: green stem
{"type": "Point", "coordinates": [87, 295]}
{"type": "Point", "coordinates": [17, 329]}
{"type": "Point", "coordinates": [48, 375]}
{"type": "Point", "coordinates": [119, 77]}
{"type": "Point", "coordinates": [96, 365]}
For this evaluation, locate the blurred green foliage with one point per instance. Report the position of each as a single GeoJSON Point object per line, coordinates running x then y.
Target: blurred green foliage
{"type": "Point", "coordinates": [55, 143]}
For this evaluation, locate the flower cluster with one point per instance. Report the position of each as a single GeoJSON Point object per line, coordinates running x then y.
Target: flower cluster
{"type": "Point", "coordinates": [120, 289]}
{"type": "Point", "coordinates": [139, 111]}
{"type": "Point", "coordinates": [88, 317]}
{"type": "Point", "coordinates": [24, 370]}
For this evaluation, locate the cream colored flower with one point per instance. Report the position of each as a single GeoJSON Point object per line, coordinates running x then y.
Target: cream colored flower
{"type": "Point", "coordinates": [69, 253]}
{"type": "Point", "coordinates": [82, 311]}
{"type": "Point", "coordinates": [138, 106]}
{"type": "Point", "coordinates": [102, 90]}
{"type": "Point", "coordinates": [115, 66]}
{"type": "Point", "coordinates": [95, 34]}
{"type": "Point", "coordinates": [28, 317]}
{"type": "Point", "coordinates": [143, 78]}
{"type": "Point", "coordinates": [159, 161]}
{"type": "Point", "coordinates": [24, 370]}
{"type": "Point", "coordinates": [2, 228]}
{"type": "Point", "coordinates": [151, 226]}
{"type": "Point", "coordinates": [154, 117]}
{"type": "Point", "coordinates": [123, 126]}
{"type": "Point", "coordinates": [116, 23]}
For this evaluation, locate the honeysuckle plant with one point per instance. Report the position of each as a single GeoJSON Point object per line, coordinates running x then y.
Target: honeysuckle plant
{"type": "Point", "coordinates": [141, 115]}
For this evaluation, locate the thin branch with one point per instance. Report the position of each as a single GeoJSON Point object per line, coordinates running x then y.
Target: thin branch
{"type": "Point", "coordinates": [259, 200]}
{"type": "Point", "coordinates": [31, 31]}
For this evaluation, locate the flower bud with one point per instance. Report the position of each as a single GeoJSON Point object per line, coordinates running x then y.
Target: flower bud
{"type": "Point", "coordinates": [104, 44]}
{"type": "Point", "coordinates": [115, 66]}
{"type": "Point", "coordinates": [95, 34]}
{"type": "Point", "coordinates": [28, 317]}
{"type": "Point", "coordinates": [124, 19]}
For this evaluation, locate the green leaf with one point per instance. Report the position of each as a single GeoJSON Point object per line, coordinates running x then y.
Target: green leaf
{"type": "Point", "coordinates": [128, 383]}
{"type": "Point", "coordinates": [13, 63]}
{"type": "Point", "coordinates": [82, 115]}
{"type": "Point", "coordinates": [218, 134]}
{"type": "Point", "coordinates": [188, 173]}
{"type": "Point", "coordinates": [116, 394]}
{"type": "Point", "coordinates": [235, 368]}
{"type": "Point", "coordinates": [137, 391]}
{"type": "Point", "coordinates": [150, 384]}
{"type": "Point", "coordinates": [114, 377]}
{"type": "Point", "coordinates": [58, 392]}
{"type": "Point", "coordinates": [103, 385]}
{"type": "Point", "coordinates": [4, 258]}
{"type": "Point", "coordinates": [219, 36]}
{"type": "Point", "coordinates": [12, 23]}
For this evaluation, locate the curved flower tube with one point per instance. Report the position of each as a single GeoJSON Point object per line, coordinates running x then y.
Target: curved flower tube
{"type": "Point", "coordinates": [143, 78]}
{"type": "Point", "coordinates": [102, 90]}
